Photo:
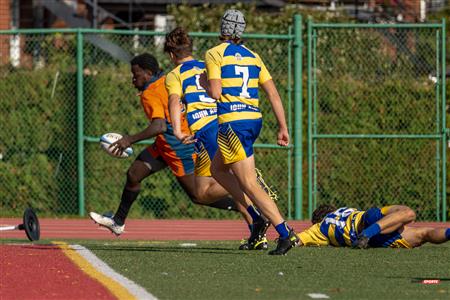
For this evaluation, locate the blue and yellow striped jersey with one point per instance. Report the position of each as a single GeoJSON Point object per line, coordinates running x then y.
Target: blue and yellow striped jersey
{"type": "Point", "coordinates": [241, 72]}
{"type": "Point", "coordinates": [338, 228]}
{"type": "Point", "coordinates": [183, 81]}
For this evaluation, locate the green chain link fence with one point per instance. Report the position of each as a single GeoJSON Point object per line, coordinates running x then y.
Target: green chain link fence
{"type": "Point", "coordinates": [68, 87]}
{"type": "Point", "coordinates": [38, 142]}
{"type": "Point", "coordinates": [377, 123]}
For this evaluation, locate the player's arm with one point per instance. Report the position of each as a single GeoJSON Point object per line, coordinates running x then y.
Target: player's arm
{"type": "Point", "coordinates": [154, 110]}
{"type": "Point", "coordinates": [156, 127]}
{"type": "Point", "coordinates": [277, 107]}
{"type": "Point", "coordinates": [175, 91]}
{"type": "Point", "coordinates": [212, 81]}
{"type": "Point", "coordinates": [213, 87]}
{"type": "Point", "coordinates": [175, 116]}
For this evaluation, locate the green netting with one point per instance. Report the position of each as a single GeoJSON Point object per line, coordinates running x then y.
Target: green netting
{"type": "Point", "coordinates": [39, 164]}
{"type": "Point", "coordinates": [376, 120]}
{"type": "Point", "coordinates": [376, 117]}
{"type": "Point", "coordinates": [38, 124]}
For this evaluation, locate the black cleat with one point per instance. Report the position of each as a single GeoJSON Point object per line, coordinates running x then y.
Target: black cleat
{"type": "Point", "coordinates": [361, 242]}
{"type": "Point", "coordinates": [258, 235]}
{"type": "Point", "coordinates": [261, 244]}
{"type": "Point", "coordinates": [244, 245]}
{"type": "Point", "coordinates": [284, 245]}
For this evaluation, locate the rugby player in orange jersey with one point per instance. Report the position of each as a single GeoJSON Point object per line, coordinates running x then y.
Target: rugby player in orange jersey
{"type": "Point", "coordinates": [166, 151]}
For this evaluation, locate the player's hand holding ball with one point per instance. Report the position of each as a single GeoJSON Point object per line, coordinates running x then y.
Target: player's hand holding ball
{"type": "Point", "coordinates": [116, 145]}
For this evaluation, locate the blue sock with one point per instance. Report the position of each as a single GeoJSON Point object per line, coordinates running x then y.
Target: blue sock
{"type": "Point", "coordinates": [372, 230]}
{"type": "Point", "coordinates": [250, 227]}
{"type": "Point", "coordinates": [283, 230]}
{"type": "Point", "coordinates": [447, 234]}
{"type": "Point", "coordinates": [253, 213]}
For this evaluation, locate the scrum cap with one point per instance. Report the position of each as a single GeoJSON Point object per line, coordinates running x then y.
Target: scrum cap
{"type": "Point", "coordinates": [232, 24]}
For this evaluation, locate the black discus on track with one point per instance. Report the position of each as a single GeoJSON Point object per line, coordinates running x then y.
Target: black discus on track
{"type": "Point", "coordinates": [30, 225]}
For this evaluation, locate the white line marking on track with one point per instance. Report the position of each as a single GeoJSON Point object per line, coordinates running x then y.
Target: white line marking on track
{"type": "Point", "coordinates": [134, 289]}
{"type": "Point", "coordinates": [318, 296]}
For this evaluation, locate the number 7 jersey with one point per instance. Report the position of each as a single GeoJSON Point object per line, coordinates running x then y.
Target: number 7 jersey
{"type": "Point", "coordinates": [184, 81]}
{"type": "Point", "coordinates": [241, 72]}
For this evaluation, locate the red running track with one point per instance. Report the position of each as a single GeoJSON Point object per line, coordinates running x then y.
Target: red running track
{"type": "Point", "coordinates": [44, 272]}
{"type": "Point", "coordinates": [154, 229]}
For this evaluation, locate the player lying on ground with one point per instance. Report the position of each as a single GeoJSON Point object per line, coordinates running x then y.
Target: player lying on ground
{"type": "Point", "coordinates": [166, 151]}
{"type": "Point", "coordinates": [185, 91]}
{"type": "Point", "coordinates": [376, 227]}
{"type": "Point", "coordinates": [234, 74]}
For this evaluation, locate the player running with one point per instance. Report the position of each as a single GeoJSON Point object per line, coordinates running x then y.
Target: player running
{"type": "Point", "coordinates": [377, 227]}
{"type": "Point", "coordinates": [234, 73]}
{"type": "Point", "coordinates": [185, 91]}
{"type": "Point", "coordinates": [166, 151]}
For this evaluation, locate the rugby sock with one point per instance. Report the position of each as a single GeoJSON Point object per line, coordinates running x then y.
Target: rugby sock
{"type": "Point", "coordinates": [283, 230]}
{"type": "Point", "coordinates": [224, 203]}
{"type": "Point", "coordinates": [126, 201]}
{"type": "Point", "coordinates": [447, 234]}
{"type": "Point", "coordinates": [250, 227]}
{"type": "Point", "coordinates": [253, 213]}
{"type": "Point", "coordinates": [371, 231]}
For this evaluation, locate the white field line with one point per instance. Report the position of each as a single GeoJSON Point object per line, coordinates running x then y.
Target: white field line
{"type": "Point", "coordinates": [134, 289]}
{"type": "Point", "coordinates": [318, 296]}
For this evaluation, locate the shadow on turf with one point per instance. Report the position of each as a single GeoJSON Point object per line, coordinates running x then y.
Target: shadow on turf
{"type": "Point", "coordinates": [209, 250]}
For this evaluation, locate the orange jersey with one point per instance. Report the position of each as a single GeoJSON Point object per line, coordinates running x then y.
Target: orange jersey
{"type": "Point", "coordinates": [179, 157]}
{"type": "Point", "coordinates": [155, 101]}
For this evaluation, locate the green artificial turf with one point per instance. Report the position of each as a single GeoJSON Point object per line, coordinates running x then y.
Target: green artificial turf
{"type": "Point", "coordinates": [216, 270]}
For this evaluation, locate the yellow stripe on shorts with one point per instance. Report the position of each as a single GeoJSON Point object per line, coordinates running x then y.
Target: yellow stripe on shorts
{"type": "Point", "coordinates": [203, 163]}
{"type": "Point", "coordinates": [231, 147]}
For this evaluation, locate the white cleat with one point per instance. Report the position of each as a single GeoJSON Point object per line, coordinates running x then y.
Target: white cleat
{"type": "Point", "coordinates": [107, 222]}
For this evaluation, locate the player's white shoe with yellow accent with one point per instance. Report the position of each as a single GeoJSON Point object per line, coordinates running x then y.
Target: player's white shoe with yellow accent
{"type": "Point", "coordinates": [272, 194]}
{"type": "Point", "coordinates": [107, 222]}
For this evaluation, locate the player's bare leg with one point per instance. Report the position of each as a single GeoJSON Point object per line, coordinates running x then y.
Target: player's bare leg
{"type": "Point", "coordinates": [188, 183]}
{"type": "Point", "coordinates": [223, 175]}
{"type": "Point", "coordinates": [135, 174]}
{"type": "Point", "coordinates": [417, 236]}
{"type": "Point", "coordinates": [138, 171]}
{"type": "Point", "coordinates": [244, 172]}
{"type": "Point", "coordinates": [395, 217]}
{"type": "Point", "coordinates": [209, 191]}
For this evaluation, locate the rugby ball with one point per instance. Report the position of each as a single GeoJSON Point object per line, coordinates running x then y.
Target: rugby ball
{"type": "Point", "coordinates": [107, 139]}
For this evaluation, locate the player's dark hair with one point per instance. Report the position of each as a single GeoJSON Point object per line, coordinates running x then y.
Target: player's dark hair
{"type": "Point", "coordinates": [179, 43]}
{"type": "Point", "coordinates": [320, 212]}
{"type": "Point", "coordinates": [236, 41]}
{"type": "Point", "coordinates": [147, 62]}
